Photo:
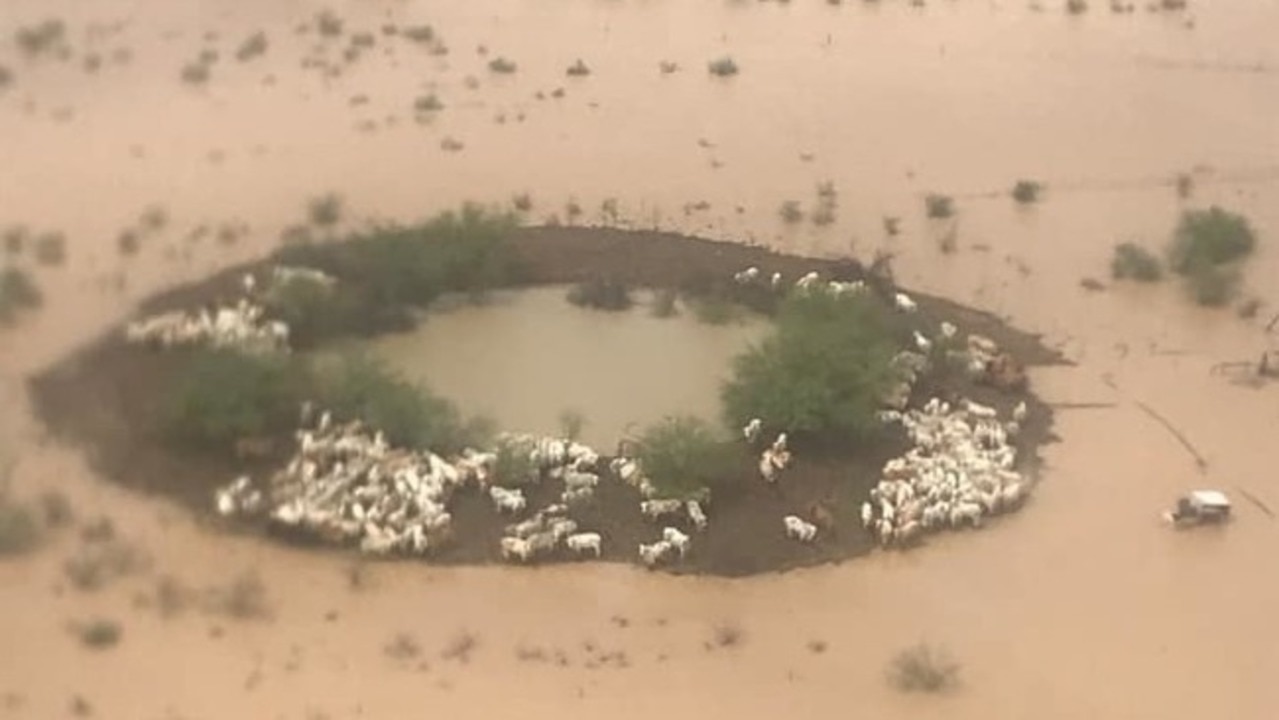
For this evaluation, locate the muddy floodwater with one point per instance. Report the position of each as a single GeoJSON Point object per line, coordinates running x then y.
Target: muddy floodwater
{"type": "Point", "coordinates": [1081, 606]}
{"type": "Point", "coordinates": [525, 358]}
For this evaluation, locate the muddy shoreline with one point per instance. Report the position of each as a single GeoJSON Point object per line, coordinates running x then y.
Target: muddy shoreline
{"type": "Point", "coordinates": [98, 400]}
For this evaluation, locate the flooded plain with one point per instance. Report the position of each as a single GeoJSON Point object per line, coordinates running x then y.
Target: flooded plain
{"type": "Point", "coordinates": [1082, 605]}
{"type": "Point", "coordinates": [527, 358]}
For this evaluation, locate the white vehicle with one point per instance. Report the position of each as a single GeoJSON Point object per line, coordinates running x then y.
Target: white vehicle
{"type": "Point", "coordinates": [1200, 507]}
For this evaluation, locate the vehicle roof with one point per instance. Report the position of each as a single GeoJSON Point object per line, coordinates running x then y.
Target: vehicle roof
{"type": "Point", "coordinates": [1210, 497]}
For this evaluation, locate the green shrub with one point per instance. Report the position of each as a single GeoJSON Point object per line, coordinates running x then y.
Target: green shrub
{"type": "Point", "coordinates": [921, 669]}
{"type": "Point", "coordinates": [1076, 7]}
{"type": "Point", "coordinates": [939, 207]}
{"type": "Point", "coordinates": [462, 251]}
{"type": "Point", "coordinates": [428, 103]}
{"type": "Point", "coordinates": [1027, 191]}
{"type": "Point", "coordinates": [1134, 261]}
{"type": "Point", "coordinates": [328, 24]}
{"type": "Point", "coordinates": [18, 293]}
{"type": "Point", "coordinates": [790, 212]}
{"type": "Point", "coordinates": [682, 456]}
{"type": "Point", "coordinates": [578, 69]}
{"type": "Point", "coordinates": [723, 67]}
{"type": "Point", "coordinates": [195, 73]}
{"type": "Point", "coordinates": [601, 293]}
{"type": "Point", "coordinates": [419, 33]}
{"type": "Point", "coordinates": [363, 387]}
{"type": "Point", "coordinates": [224, 395]}
{"type": "Point", "coordinates": [1209, 237]}
{"type": "Point", "coordinates": [822, 370]}
{"type": "Point", "coordinates": [513, 466]}
{"type": "Point", "coordinates": [316, 312]}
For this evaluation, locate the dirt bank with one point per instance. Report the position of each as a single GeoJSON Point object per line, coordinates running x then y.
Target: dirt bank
{"type": "Point", "coordinates": [109, 400]}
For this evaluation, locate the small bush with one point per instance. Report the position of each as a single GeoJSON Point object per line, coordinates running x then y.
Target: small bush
{"type": "Point", "coordinates": [682, 456]}
{"type": "Point", "coordinates": [728, 635]}
{"type": "Point", "coordinates": [245, 598]}
{"type": "Point", "coordinates": [578, 69]}
{"type": "Point", "coordinates": [51, 249]}
{"type": "Point", "coordinates": [253, 46]}
{"type": "Point", "coordinates": [402, 647]}
{"type": "Point", "coordinates": [821, 372]}
{"type": "Point", "coordinates": [419, 33]}
{"type": "Point", "coordinates": [460, 647]}
{"type": "Point", "coordinates": [224, 395]}
{"type": "Point", "coordinates": [939, 207]}
{"type": "Point", "coordinates": [1185, 184]}
{"type": "Point", "coordinates": [328, 24]}
{"type": "Point", "coordinates": [360, 386]}
{"type": "Point", "coordinates": [1209, 237]}
{"type": "Point", "coordinates": [6, 77]}
{"type": "Point", "coordinates": [1026, 192]}
{"type": "Point", "coordinates": [723, 67]}
{"type": "Point", "coordinates": [571, 423]}
{"type": "Point", "coordinates": [15, 239]}
{"type": "Point", "coordinates": [1076, 7]}
{"type": "Point", "coordinates": [790, 212]}
{"type": "Point", "coordinates": [96, 565]}
{"type": "Point", "coordinates": [56, 509]}
{"type": "Point", "coordinates": [522, 202]}
{"type": "Point", "coordinates": [195, 73]}
{"type": "Point", "coordinates": [325, 211]}
{"type": "Point", "coordinates": [513, 466]}
{"type": "Point", "coordinates": [601, 294]}
{"type": "Point", "coordinates": [428, 103]}
{"type": "Point", "coordinates": [100, 633]}
{"type": "Point", "coordinates": [43, 37]}
{"type": "Point", "coordinates": [19, 528]}
{"type": "Point", "coordinates": [502, 66]}
{"type": "Point", "coordinates": [1136, 262]}
{"type": "Point", "coordinates": [921, 669]}
{"type": "Point", "coordinates": [664, 303]}
{"type": "Point", "coordinates": [18, 293]}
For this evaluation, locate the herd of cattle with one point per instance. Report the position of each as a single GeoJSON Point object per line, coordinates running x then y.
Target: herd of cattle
{"type": "Point", "coordinates": [346, 484]}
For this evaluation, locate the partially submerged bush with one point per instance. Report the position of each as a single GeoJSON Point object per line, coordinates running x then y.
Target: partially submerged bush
{"type": "Point", "coordinates": [821, 372]}
{"type": "Point", "coordinates": [502, 66]}
{"type": "Point", "coordinates": [682, 456]}
{"type": "Point", "coordinates": [1027, 191]}
{"type": "Point", "coordinates": [790, 212]}
{"type": "Point", "coordinates": [1076, 7]}
{"type": "Point", "coordinates": [578, 69]}
{"type": "Point", "coordinates": [939, 207]}
{"type": "Point", "coordinates": [100, 562]}
{"type": "Point", "coordinates": [601, 293]}
{"type": "Point", "coordinates": [1136, 262]}
{"type": "Point", "coordinates": [664, 303]}
{"type": "Point", "coordinates": [325, 211]}
{"type": "Point", "coordinates": [514, 466]}
{"type": "Point", "coordinates": [571, 423]}
{"type": "Point", "coordinates": [253, 46]}
{"type": "Point", "coordinates": [1206, 249]}
{"type": "Point", "coordinates": [223, 395]}
{"type": "Point", "coordinates": [18, 293]}
{"type": "Point", "coordinates": [723, 67]}
{"type": "Point", "coordinates": [923, 669]}
{"type": "Point", "coordinates": [195, 73]}
{"type": "Point", "coordinates": [360, 386]}
{"type": "Point", "coordinates": [51, 249]}
{"type": "Point", "coordinates": [245, 598]}
{"type": "Point", "coordinates": [428, 104]}
{"type": "Point", "coordinates": [99, 633]}
{"type": "Point", "coordinates": [1209, 237]}
{"type": "Point", "coordinates": [716, 310]}
{"type": "Point", "coordinates": [40, 38]}
{"type": "Point", "coordinates": [20, 530]}
{"type": "Point", "coordinates": [315, 311]}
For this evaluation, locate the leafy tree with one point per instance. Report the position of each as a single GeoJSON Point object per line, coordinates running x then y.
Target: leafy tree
{"type": "Point", "coordinates": [682, 456]}
{"type": "Point", "coordinates": [224, 395]}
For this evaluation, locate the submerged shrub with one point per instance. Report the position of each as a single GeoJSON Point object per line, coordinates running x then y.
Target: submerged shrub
{"type": "Point", "coordinates": [1026, 192]}
{"type": "Point", "coordinates": [682, 456]}
{"type": "Point", "coordinates": [20, 530]}
{"type": "Point", "coordinates": [253, 46]}
{"type": "Point", "coordinates": [578, 69]}
{"type": "Point", "coordinates": [37, 39]}
{"type": "Point", "coordinates": [18, 293]}
{"type": "Point", "coordinates": [939, 207]}
{"type": "Point", "coordinates": [502, 66]}
{"type": "Point", "coordinates": [723, 67]}
{"type": "Point", "coordinates": [923, 669]}
{"type": "Point", "coordinates": [428, 103]}
{"type": "Point", "coordinates": [325, 211]}
{"type": "Point", "coordinates": [664, 303]}
{"type": "Point", "coordinates": [224, 395]}
{"type": "Point", "coordinates": [1136, 262]}
{"type": "Point", "coordinates": [100, 633]}
{"type": "Point", "coordinates": [1214, 286]}
{"type": "Point", "coordinates": [601, 293]}
{"type": "Point", "coordinates": [790, 212]}
{"type": "Point", "coordinates": [51, 248]}
{"type": "Point", "coordinates": [1209, 237]}
{"type": "Point", "coordinates": [195, 73]}
{"type": "Point", "coordinates": [822, 370]}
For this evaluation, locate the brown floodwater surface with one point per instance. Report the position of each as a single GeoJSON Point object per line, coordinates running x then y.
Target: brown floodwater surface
{"type": "Point", "coordinates": [1081, 606]}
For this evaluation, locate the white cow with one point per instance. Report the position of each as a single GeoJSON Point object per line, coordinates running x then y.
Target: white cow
{"type": "Point", "coordinates": [798, 529]}
{"type": "Point", "coordinates": [654, 509]}
{"type": "Point", "coordinates": [677, 539]}
{"type": "Point", "coordinates": [696, 514]}
{"type": "Point", "coordinates": [904, 303]}
{"type": "Point", "coordinates": [581, 542]}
